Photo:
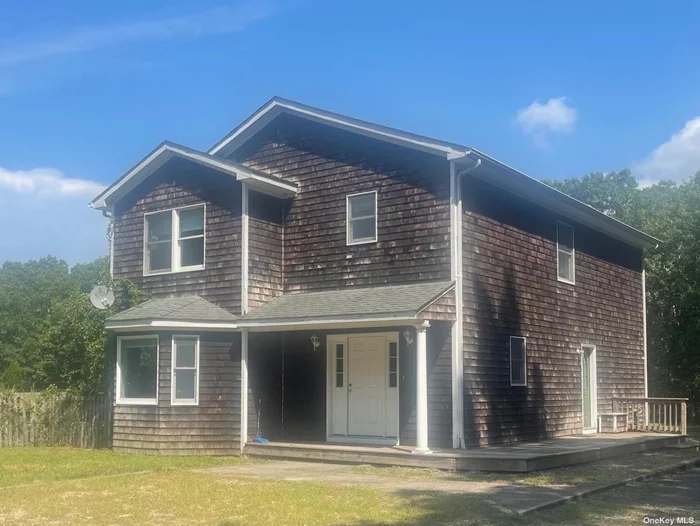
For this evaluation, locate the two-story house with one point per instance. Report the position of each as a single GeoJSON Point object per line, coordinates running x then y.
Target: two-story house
{"type": "Point", "coordinates": [314, 277]}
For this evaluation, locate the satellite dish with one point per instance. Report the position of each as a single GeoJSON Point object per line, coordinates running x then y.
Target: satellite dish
{"type": "Point", "coordinates": [101, 296]}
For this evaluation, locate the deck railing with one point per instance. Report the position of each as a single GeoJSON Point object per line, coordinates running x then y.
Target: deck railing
{"type": "Point", "coordinates": [662, 415]}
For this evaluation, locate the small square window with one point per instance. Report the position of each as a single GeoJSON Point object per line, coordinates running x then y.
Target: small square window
{"type": "Point", "coordinates": [174, 240]}
{"type": "Point", "coordinates": [362, 218]}
{"type": "Point", "coordinates": [518, 361]}
{"type": "Point", "coordinates": [565, 253]}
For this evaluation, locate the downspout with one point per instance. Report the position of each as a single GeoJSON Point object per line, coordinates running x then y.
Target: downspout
{"type": "Point", "coordinates": [244, 309]}
{"type": "Point", "coordinates": [644, 328]}
{"type": "Point", "coordinates": [110, 215]}
{"type": "Point", "coordinates": [457, 275]}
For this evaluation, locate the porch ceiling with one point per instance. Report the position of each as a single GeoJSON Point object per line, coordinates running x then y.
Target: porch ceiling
{"type": "Point", "coordinates": [373, 305]}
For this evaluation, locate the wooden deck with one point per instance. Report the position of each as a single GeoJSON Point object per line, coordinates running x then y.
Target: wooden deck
{"type": "Point", "coordinates": [521, 457]}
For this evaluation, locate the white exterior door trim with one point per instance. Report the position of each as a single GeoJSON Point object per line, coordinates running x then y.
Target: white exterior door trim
{"type": "Point", "coordinates": [594, 389]}
{"type": "Point", "coordinates": [337, 399]}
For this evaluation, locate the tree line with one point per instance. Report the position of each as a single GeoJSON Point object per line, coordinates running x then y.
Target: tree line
{"type": "Point", "coordinates": [50, 334]}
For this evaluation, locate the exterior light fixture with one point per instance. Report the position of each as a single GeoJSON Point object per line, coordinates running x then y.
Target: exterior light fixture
{"type": "Point", "coordinates": [408, 336]}
{"type": "Point", "coordinates": [315, 341]}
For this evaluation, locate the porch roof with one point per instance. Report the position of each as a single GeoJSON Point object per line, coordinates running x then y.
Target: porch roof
{"type": "Point", "coordinates": [183, 312]}
{"type": "Point", "coordinates": [390, 304]}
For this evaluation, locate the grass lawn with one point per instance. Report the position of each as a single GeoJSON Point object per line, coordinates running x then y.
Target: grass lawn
{"type": "Point", "coordinates": [68, 487]}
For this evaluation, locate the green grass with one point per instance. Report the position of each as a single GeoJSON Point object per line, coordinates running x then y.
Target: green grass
{"type": "Point", "coordinates": [63, 486]}
{"type": "Point", "coordinates": [35, 465]}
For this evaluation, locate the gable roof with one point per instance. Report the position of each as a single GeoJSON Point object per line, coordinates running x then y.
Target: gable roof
{"type": "Point", "coordinates": [477, 163]}
{"type": "Point", "coordinates": [167, 150]}
{"type": "Point", "coordinates": [386, 303]}
{"type": "Point", "coordinates": [182, 312]}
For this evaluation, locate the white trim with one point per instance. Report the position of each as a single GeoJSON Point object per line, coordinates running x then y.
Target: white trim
{"type": "Point", "coordinates": [118, 400]}
{"type": "Point", "coordinates": [594, 389]}
{"type": "Point", "coordinates": [276, 106]}
{"type": "Point", "coordinates": [348, 219]}
{"type": "Point", "coordinates": [331, 341]}
{"type": "Point", "coordinates": [175, 252]}
{"type": "Point", "coordinates": [173, 362]}
{"type": "Point", "coordinates": [113, 227]}
{"type": "Point", "coordinates": [422, 389]}
{"type": "Point", "coordinates": [573, 254]}
{"type": "Point", "coordinates": [510, 356]}
{"type": "Point", "coordinates": [244, 248]}
{"type": "Point", "coordinates": [244, 388]}
{"type": "Point", "coordinates": [457, 339]}
{"type": "Point", "coordinates": [333, 323]}
{"type": "Point", "coordinates": [167, 151]}
{"type": "Point", "coordinates": [644, 327]}
{"type": "Point", "coordinates": [169, 324]}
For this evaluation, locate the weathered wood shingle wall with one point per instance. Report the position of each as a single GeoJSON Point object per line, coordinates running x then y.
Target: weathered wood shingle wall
{"type": "Point", "coordinates": [265, 248]}
{"type": "Point", "coordinates": [211, 427]}
{"type": "Point", "coordinates": [328, 165]}
{"type": "Point", "coordinates": [511, 289]}
{"type": "Point", "coordinates": [180, 184]}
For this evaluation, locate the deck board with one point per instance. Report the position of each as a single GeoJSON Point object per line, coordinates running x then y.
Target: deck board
{"type": "Point", "coordinates": [521, 457]}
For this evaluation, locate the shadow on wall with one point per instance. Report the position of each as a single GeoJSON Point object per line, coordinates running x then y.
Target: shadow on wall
{"type": "Point", "coordinates": [494, 411]}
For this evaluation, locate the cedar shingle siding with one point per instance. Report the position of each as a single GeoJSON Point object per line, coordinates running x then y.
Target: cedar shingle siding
{"type": "Point", "coordinates": [181, 184]}
{"type": "Point", "coordinates": [511, 289]}
{"type": "Point", "coordinates": [327, 164]}
{"type": "Point", "coordinates": [211, 427]}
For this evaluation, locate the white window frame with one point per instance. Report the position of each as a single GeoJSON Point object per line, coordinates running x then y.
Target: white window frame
{"type": "Point", "coordinates": [136, 401]}
{"type": "Point", "coordinates": [348, 220]}
{"type": "Point", "coordinates": [175, 254]}
{"type": "Point", "coordinates": [573, 254]}
{"type": "Point", "coordinates": [173, 350]}
{"type": "Point", "coordinates": [510, 352]}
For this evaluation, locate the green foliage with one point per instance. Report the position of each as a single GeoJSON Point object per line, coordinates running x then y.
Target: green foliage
{"type": "Point", "coordinates": [50, 334]}
{"type": "Point", "coordinates": [671, 213]}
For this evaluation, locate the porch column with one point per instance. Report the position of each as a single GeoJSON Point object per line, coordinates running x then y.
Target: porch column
{"type": "Point", "coordinates": [421, 389]}
{"type": "Point", "coordinates": [244, 387]}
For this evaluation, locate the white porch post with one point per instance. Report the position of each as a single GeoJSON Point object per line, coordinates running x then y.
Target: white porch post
{"type": "Point", "coordinates": [244, 387]}
{"type": "Point", "coordinates": [421, 390]}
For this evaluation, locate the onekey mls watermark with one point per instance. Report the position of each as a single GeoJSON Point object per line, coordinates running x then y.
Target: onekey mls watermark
{"type": "Point", "coordinates": [669, 521]}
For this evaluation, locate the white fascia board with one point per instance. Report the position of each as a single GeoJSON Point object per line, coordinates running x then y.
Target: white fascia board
{"type": "Point", "coordinates": [275, 107]}
{"type": "Point", "coordinates": [167, 151]}
{"type": "Point", "coordinates": [169, 325]}
{"type": "Point", "coordinates": [338, 323]}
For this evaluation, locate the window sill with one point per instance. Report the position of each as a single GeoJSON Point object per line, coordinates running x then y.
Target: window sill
{"type": "Point", "coordinates": [137, 401]}
{"type": "Point", "coordinates": [361, 242]}
{"type": "Point", "coordinates": [567, 281]}
{"type": "Point", "coordinates": [178, 271]}
{"type": "Point", "coordinates": [186, 404]}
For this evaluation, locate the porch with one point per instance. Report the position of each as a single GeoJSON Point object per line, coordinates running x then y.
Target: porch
{"type": "Point", "coordinates": [520, 457]}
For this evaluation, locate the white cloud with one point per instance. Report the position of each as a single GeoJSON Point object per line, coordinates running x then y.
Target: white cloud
{"type": "Point", "coordinates": [675, 160]}
{"type": "Point", "coordinates": [47, 182]}
{"type": "Point", "coordinates": [554, 116]}
{"type": "Point", "coordinates": [220, 20]}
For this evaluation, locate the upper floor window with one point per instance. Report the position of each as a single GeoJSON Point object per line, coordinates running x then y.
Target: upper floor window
{"type": "Point", "coordinates": [174, 240]}
{"type": "Point", "coordinates": [362, 218]}
{"type": "Point", "coordinates": [518, 361]}
{"type": "Point", "coordinates": [565, 252]}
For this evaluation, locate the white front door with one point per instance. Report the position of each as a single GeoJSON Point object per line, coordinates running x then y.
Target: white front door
{"type": "Point", "coordinates": [367, 385]}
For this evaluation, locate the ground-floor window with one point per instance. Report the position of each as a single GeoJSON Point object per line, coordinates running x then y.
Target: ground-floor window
{"type": "Point", "coordinates": [137, 370]}
{"type": "Point", "coordinates": [185, 385]}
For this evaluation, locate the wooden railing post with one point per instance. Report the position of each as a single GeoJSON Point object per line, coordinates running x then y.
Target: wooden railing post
{"type": "Point", "coordinates": [684, 418]}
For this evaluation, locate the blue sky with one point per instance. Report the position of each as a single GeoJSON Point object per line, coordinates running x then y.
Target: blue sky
{"type": "Point", "coordinates": [88, 88]}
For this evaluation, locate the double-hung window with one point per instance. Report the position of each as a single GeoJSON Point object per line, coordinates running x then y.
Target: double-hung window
{"type": "Point", "coordinates": [174, 240]}
{"type": "Point", "coordinates": [518, 361]}
{"type": "Point", "coordinates": [361, 218]}
{"type": "Point", "coordinates": [565, 253]}
{"type": "Point", "coordinates": [185, 371]}
{"type": "Point", "coordinates": [137, 370]}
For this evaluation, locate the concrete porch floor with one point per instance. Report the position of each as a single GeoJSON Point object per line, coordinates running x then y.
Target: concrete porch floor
{"type": "Point", "coordinates": [519, 457]}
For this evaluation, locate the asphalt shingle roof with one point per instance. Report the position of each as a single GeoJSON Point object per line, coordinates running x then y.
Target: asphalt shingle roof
{"type": "Point", "coordinates": [387, 301]}
{"type": "Point", "coordinates": [186, 308]}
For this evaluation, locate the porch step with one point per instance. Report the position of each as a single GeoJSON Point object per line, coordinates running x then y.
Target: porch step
{"type": "Point", "coordinates": [376, 456]}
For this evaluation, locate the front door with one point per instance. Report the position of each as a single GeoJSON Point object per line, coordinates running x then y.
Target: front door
{"type": "Point", "coordinates": [587, 379]}
{"type": "Point", "coordinates": [366, 385]}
